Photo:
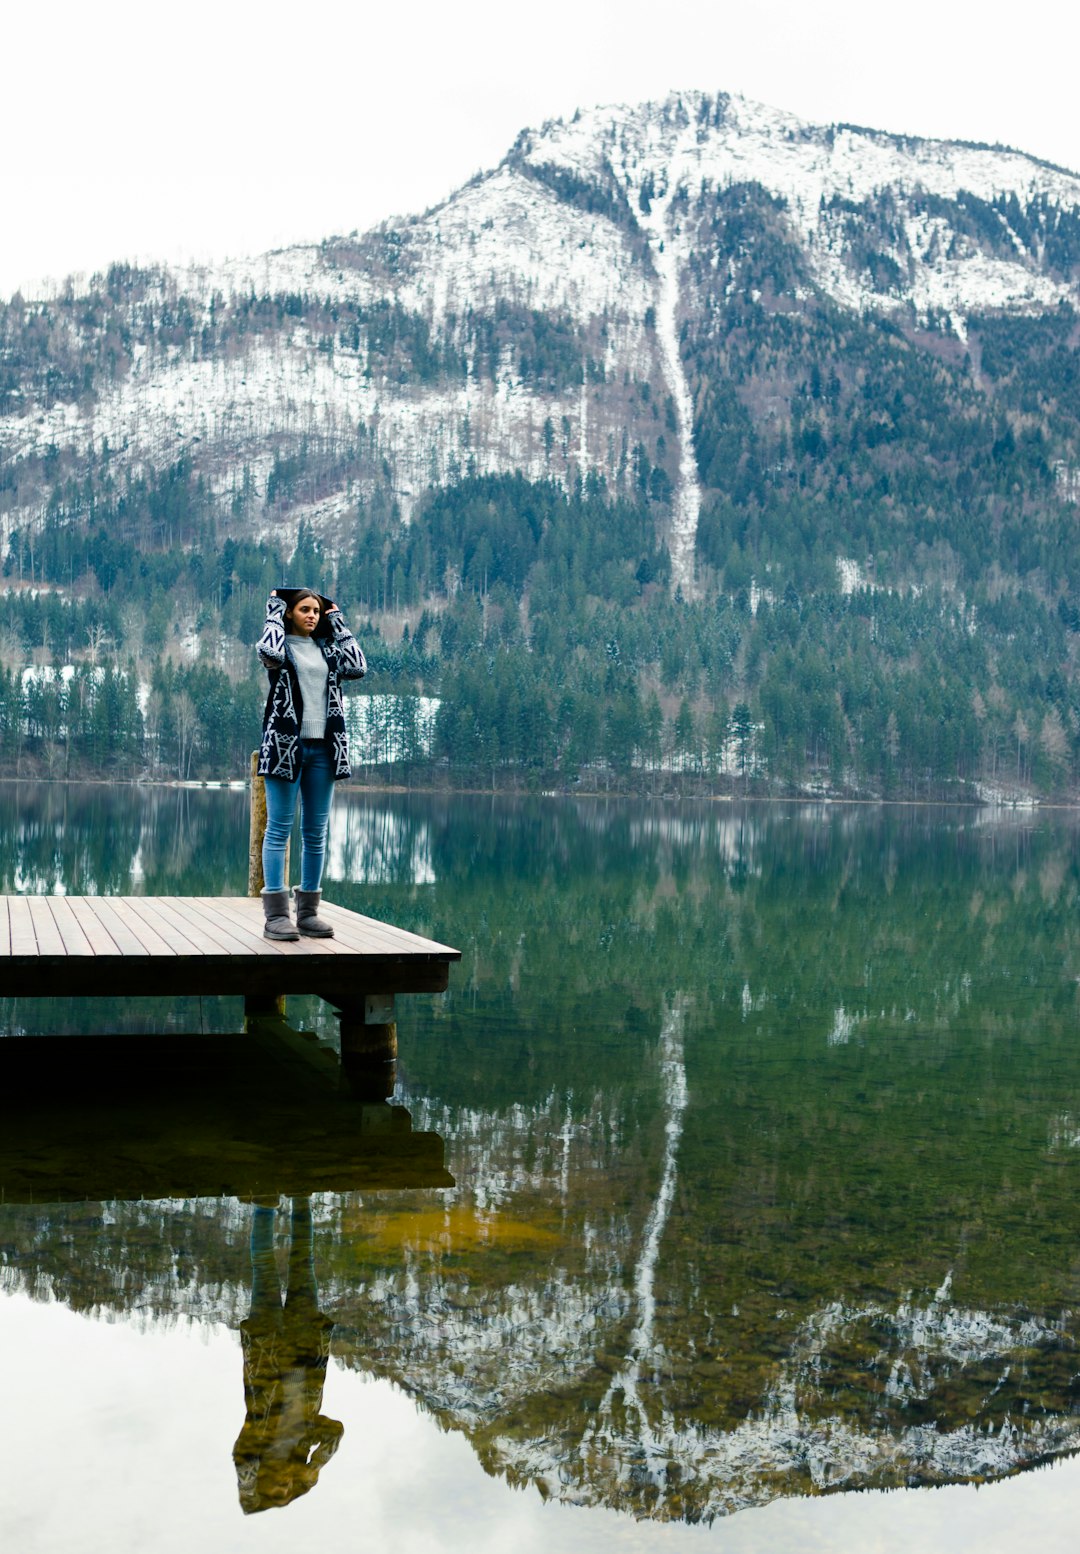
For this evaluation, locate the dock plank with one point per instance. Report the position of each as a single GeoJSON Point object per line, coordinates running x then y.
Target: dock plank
{"type": "Point", "coordinates": [214, 936]}
{"type": "Point", "coordinates": [68, 926]}
{"type": "Point", "coordinates": [128, 909]}
{"type": "Point", "coordinates": [103, 909]}
{"type": "Point", "coordinates": [404, 937]}
{"type": "Point", "coordinates": [237, 910]}
{"type": "Point", "coordinates": [23, 937]}
{"type": "Point", "coordinates": [364, 934]}
{"type": "Point", "coordinates": [357, 935]}
{"type": "Point", "coordinates": [50, 941]}
{"type": "Point", "coordinates": [368, 932]}
{"type": "Point", "coordinates": [98, 935]}
{"type": "Point", "coordinates": [245, 932]}
{"type": "Point", "coordinates": [185, 938]}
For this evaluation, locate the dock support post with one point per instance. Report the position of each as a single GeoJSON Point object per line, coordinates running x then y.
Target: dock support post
{"type": "Point", "coordinates": [256, 1004]}
{"type": "Point", "coordinates": [369, 1045]}
{"type": "Point", "coordinates": [257, 830]}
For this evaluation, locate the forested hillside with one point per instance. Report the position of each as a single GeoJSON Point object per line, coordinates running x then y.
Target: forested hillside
{"type": "Point", "coordinates": [655, 462]}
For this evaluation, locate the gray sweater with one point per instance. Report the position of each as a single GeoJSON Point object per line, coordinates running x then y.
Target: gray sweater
{"type": "Point", "coordinates": [312, 674]}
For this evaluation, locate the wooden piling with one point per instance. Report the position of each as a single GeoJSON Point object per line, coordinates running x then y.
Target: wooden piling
{"type": "Point", "coordinates": [369, 1045]}
{"type": "Point", "coordinates": [256, 828]}
{"type": "Point", "coordinates": [257, 832]}
{"type": "Point", "coordinates": [256, 880]}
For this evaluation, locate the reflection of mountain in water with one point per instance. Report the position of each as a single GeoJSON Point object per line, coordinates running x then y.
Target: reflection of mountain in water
{"type": "Point", "coordinates": [603, 1320]}
{"type": "Point", "coordinates": [764, 1129]}
{"type": "Point", "coordinates": [632, 1374]}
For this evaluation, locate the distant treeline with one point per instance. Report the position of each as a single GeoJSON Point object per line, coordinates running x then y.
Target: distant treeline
{"type": "Point", "coordinates": [545, 625]}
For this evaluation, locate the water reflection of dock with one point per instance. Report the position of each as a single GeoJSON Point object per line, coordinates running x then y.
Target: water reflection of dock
{"type": "Point", "coordinates": [146, 1117]}
{"type": "Point", "coordinates": [115, 1121]}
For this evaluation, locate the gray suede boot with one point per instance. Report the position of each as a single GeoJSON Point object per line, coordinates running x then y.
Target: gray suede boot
{"type": "Point", "coordinates": [279, 925]}
{"type": "Point", "coordinates": [310, 924]}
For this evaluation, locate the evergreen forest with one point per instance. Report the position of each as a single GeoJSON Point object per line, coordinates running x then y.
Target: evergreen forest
{"type": "Point", "coordinates": [887, 567]}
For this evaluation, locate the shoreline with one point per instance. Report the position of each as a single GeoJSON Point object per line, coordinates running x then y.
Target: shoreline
{"type": "Point", "coordinates": [242, 785]}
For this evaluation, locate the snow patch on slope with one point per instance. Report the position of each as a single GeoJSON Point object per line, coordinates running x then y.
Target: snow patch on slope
{"type": "Point", "coordinates": [808, 167]}
{"type": "Point", "coordinates": [510, 235]}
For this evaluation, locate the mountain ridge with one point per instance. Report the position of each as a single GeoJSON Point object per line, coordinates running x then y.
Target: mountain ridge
{"type": "Point", "coordinates": [506, 232]}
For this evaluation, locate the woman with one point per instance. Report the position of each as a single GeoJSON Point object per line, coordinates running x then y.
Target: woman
{"type": "Point", "coordinates": [307, 650]}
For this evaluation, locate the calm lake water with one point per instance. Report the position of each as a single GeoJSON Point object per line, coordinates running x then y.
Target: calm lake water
{"type": "Point", "coordinates": [763, 1130]}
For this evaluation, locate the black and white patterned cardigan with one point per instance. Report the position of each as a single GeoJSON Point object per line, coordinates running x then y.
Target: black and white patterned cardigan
{"type": "Point", "coordinates": [279, 752]}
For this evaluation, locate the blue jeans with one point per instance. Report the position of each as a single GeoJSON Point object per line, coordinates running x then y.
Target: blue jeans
{"type": "Point", "coordinates": [315, 789]}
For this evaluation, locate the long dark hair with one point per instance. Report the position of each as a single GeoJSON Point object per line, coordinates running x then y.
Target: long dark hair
{"type": "Point", "coordinates": [292, 597]}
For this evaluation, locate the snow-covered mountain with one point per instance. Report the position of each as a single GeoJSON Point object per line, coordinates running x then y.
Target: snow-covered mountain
{"type": "Point", "coordinates": [545, 318]}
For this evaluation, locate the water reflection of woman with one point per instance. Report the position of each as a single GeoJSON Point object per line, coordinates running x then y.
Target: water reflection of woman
{"type": "Point", "coordinates": [307, 650]}
{"type": "Point", "coordinates": [286, 1440]}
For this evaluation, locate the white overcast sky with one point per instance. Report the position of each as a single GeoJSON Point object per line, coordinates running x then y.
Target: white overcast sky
{"type": "Point", "coordinates": [215, 128]}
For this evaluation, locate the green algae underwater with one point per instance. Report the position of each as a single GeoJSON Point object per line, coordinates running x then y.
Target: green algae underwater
{"type": "Point", "coordinates": [763, 1124]}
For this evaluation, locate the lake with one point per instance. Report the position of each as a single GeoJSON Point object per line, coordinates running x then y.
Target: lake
{"type": "Point", "coordinates": [738, 1171]}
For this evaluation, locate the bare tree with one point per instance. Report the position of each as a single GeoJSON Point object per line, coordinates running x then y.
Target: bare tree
{"type": "Point", "coordinates": [12, 648]}
{"type": "Point", "coordinates": [133, 621]}
{"type": "Point", "coordinates": [98, 641]}
{"type": "Point", "coordinates": [187, 733]}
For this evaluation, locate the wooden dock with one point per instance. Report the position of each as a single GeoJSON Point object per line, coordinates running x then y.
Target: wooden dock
{"type": "Point", "coordinates": [173, 946]}
{"type": "Point", "coordinates": [109, 946]}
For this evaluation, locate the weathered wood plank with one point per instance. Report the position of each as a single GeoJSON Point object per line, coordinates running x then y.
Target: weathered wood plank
{"type": "Point", "coordinates": [187, 937]}
{"type": "Point", "coordinates": [370, 930]}
{"type": "Point", "coordinates": [181, 943]}
{"type": "Point", "coordinates": [23, 937]}
{"type": "Point", "coordinates": [94, 946]}
{"type": "Point", "coordinates": [363, 935]}
{"type": "Point", "coordinates": [68, 926]}
{"type": "Point", "coordinates": [356, 932]}
{"type": "Point", "coordinates": [237, 910]}
{"type": "Point", "coordinates": [98, 935]}
{"type": "Point", "coordinates": [50, 941]}
{"type": "Point", "coordinates": [218, 940]}
{"type": "Point", "coordinates": [344, 982]}
{"type": "Point", "coordinates": [244, 933]}
{"type": "Point", "coordinates": [127, 908]}
{"type": "Point", "coordinates": [118, 930]}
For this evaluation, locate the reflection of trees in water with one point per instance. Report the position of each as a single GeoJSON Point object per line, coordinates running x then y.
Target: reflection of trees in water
{"type": "Point", "coordinates": [776, 1345]}
{"type": "Point", "coordinates": [163, 1260]}
{"type": "Point", "coordinates": [375, 844]}
{"type": "Point", "coordinates": [193, 842]}
{"type": "Point", "coordinates": [58, 837]}
{"type": "Point", "coordinates": [117, 839]}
